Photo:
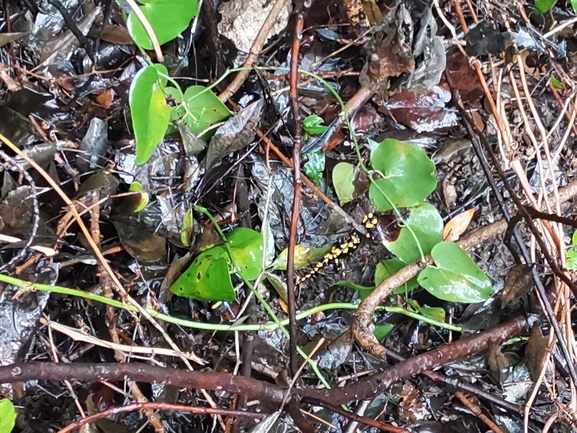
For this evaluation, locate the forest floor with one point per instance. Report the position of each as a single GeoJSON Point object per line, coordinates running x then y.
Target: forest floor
{"type": "Point", "coordinates": [365, 224]}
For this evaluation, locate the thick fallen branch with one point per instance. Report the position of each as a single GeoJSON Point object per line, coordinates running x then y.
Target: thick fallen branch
{"type": "Point", "coordinates": [255, 389]}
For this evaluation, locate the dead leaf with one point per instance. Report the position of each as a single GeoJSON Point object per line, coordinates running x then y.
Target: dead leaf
{"type": "Point", "coordinates": [105, 98]}
{"type": "Point", "coordinates": [391, 59]}
{"type": "Point", "coordinates": [116, 35]}
{"type": "Point", "coordinates": [498, 364]}
{"type": "Point", "coordinates": [516, 284]}
{"type": "Point", "coordinates": [357, 17]}
{"type": "Point", "coordinates": [6, 38]}
{"type": "Point", "coordinates": [283, 305]}
{"type": "Point", "coordinates": [536, 352]}
{"type": "Point", "coordinates": [458, 225]}
{"type": "Point", "coordinates": [11, 84]}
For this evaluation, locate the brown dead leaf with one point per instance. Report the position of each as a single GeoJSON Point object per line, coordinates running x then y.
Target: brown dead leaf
{"type": "Point", "coordinates": [116, 35]}
{"type": "Point", "coordinates": [283, 305]}
{"type": "Point", "coordinates": [390, 59]}
{"type": "Point", "coordinates": [516, 284]}
{"type": "Point", "coordinates": [105, 98]}
{"type": "Point", "coordinates": [536, 352]}
{"type": "Point", "coordinates": [464, 77]}
{"type": "Point", "coordinates": [498, 364]}
{"type": "Point", "coordinates": [11, 84]}
{"type": "Point", "coordinates": [457, 226]}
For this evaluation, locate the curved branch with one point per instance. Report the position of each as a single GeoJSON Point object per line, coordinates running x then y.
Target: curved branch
{"type": "Point", "coordinates": [255, 389]}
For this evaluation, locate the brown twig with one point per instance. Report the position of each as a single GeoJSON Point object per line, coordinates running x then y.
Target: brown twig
{"type": "Point", "coordinates": [309, 183]}
{"type": "Point", "coordinates": [159, 406]}
{"type": "Point", "coordinates": [106, 285]}
{"type": "Point", "coordinates": [357, 418]}
{"type": "Point", "coordinates": [94, 247]}
{"type": "Point", "coordinates": [297, 141]}
{"type": "Point", "coordinates": [478, 412]}
{"type": "Point", "coordinates": [255, 389]}
{"type": "Point", "coordinates": [255, 50]}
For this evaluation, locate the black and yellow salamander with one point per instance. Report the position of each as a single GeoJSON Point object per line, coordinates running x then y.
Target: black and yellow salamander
{"type": "Point", "coordinates": [341, 248]}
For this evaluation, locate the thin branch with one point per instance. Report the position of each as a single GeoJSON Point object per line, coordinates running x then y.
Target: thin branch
{"type": "Point", "coordinates": [297, 141]}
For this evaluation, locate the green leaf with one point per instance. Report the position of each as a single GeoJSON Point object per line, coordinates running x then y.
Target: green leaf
{"type": "Point", "coordinates": [544, 6]}
{"type": "Point", "coordinates": [246, 246]}
{"type": "Point", "coordinates": [168, 18]}
{"type": "Point", "coordinates": [315, 166]}
{"type": "Point", "coordinates": [149, 110]}
{"type": "Point", "coordinates": [144, 198]}
{"type": "Point", "coordinates": [343, 181]}
{"type": "Point", "coordinates": [381, 331]}
{"type": "Point", "coordinates": [301, 258]}
{"type": "Point", "coordinates": [187, 228]}
{"type": "Point", "coordinates": [456, 278]}
{"type": "Point", "coordinates": [436, 313]}
{"type": "Point", "coordinates": [200, 109]}
{"type": "Point", "coordinates": [278, 284]}
{"type": "Point", "coordinates": [7, 416]}
{"type": "Point", "coordinates": [314, 125]}
{"type": "Point", "coordinates": [386, 268]}
{"type": "Point", "coordinates": [554, 80]}
{"type": "Point", "coordinates": [364, 291]}
{"type": "Point", "coordinates": [408, 175]}
{"type": "Point", "coordinates": [572, 259]}
{"type": "Point", "coordinates": [208, 277]}
{"type": "Point", "coordinates": [427, 225]}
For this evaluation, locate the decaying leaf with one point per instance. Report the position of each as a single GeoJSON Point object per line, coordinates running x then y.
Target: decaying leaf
{"type": "Point", "coordinates": [498, 363]}
{"type": "Point", "coordinates": [458, 225]}
{"type": "Point", "coordinates": [516, 284]}
{"type": "Point", "coordinates": [537, 352]}
{"type": "Point", "coordinates": [235, 134]}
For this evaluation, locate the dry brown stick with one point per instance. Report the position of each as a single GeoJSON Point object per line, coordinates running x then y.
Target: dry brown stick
{"type": "Point", "coordinates": [478, 413]}
{"type": "Point", "coordinates": [355, 417]}
{"type": "Point", "coordinates": [255, 389]}
{"type": "Point", "coordinates": [379, 382]}
{"type": "Point", "coordinates": [361, 326]}
{"type": "Point", "coordinates": [297, 188]}
{"type": "Point", "coordinates": [159, 406]}
{"type": "Point", "coordinates": [254, 51]}
{"type": "Point", "coordinates": [106, 285]}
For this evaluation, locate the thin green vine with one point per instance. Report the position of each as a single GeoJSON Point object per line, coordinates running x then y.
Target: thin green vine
{"type": "Point", "coordinates": [26, 286]}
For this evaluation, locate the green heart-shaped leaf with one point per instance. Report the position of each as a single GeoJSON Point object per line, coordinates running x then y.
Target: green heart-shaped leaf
{"type": "Point", "coordinates": [168, 18]}
{"type": "Point", "coordinates": [203, 109]}
{"type": "Point", "coordinates": [149, 111]}
{"type": "Point", "coordinates": [314, 125]}
{"type": "Point", "coordinates": [427, 226]}
{"type": "Point", "coordinates": [207, 278]}
{"type": "Point", "coordinates": [315, 166]}
{"type": "Point", "coordinates": [456, 277]}
{"type": "Point", "coordinates": [408, 175]}
{"type": "Point", "coordinates": [343, 181]}
{"type": "Point", "coordinates": [246, 247]}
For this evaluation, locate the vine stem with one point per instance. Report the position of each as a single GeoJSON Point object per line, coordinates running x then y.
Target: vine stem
{"type": "Point", "coordinates": [25, 286]}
